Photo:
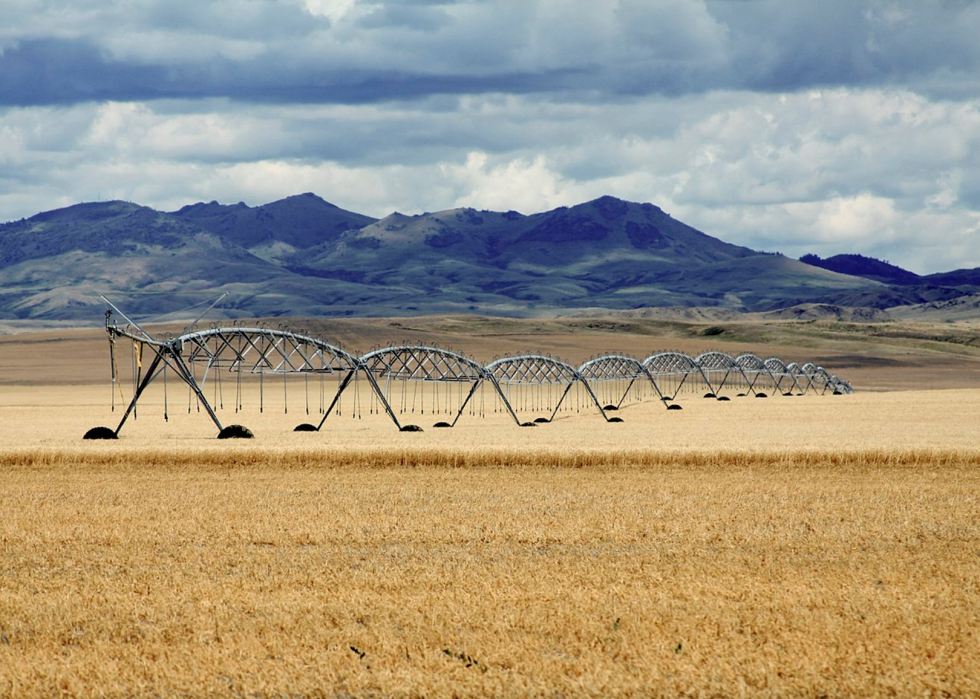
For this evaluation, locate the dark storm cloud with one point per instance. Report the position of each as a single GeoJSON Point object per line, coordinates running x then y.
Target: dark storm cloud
{"type": "Point", "coordinates": [65, 71]}
{"type": "Point", "coordinates": [781, 46]}
{"type": "Point", "coordinates": [68, 71]}
{"type": "Point", "coordinates": [269, 52]}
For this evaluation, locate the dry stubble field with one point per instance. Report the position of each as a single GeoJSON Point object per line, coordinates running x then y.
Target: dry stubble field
{"type": "Point", "coordinates": [817, 546]}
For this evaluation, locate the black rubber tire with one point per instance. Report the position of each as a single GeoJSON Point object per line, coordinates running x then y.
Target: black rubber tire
{"type": "Point", "coordinates": [236, 432]}
{"type": "Point", "coordinates": [100, 433]}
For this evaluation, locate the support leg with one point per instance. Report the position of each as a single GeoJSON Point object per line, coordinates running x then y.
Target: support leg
{"type": "Point", "coordinates": [503, 398]}
{"type": "Point", "coordinates": [184, 372]}
{"type": "Point", "coordinates": [381, 397]}
{"type": "Point", "coordinates": [595, 400]}
{"type": "Point", "coordinates": [625, 393]}
{"type": "Point", "coordinates": [468, 396]}
{"type": "Point", "coordinates": [150, 373]}
{"type": "Point", "coordinates": [343, 385]}
{"type": "Point", "coordinates": [568, 388]}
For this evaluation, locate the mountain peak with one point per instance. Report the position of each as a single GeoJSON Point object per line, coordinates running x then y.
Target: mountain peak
{"type": "Point", "coordinates": [610, 208]}
{"type": "Point", "coordinates": [305, 198]}
{"type": "Point", "coordinates": [89, 211]}
{"type": "Point", "coordinates": [299, 221]}
{"type": "Point", "coordinates": [303, 255]}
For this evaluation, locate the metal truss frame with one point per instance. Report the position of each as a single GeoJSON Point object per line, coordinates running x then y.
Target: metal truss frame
{"type": "Point", "coordinates": [799, 379]}
{"type": "Point", "coordinates": [780, 372]}
{"type": "Point", "coordinates": [618, 367]}
{"type": "Point", "coordinates": [751, 364]}
{"type": "Point", "coordinates": [675, 364]}
{"type": "Point", "coordinates": [811, 372]}
{"type": "Point", "coordinates": [827, 381]}
{"type": "Point", "coordinates": [262, 350]}
{"type": "Point", "coordinates": [539, 370]}
{"type": "Point", "coordinates": [248, 350]}
{"type": "Point", "coordinates": [717, 362]}
{"type": "Point", "coordinates": [421, 363]}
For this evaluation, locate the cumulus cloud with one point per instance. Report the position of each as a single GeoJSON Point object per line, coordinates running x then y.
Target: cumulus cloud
{"type": "Point", "coordinates": [831, 126]}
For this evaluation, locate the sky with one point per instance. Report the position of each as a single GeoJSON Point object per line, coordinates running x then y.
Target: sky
{"type": "Point", "coordinates": [820, 126]}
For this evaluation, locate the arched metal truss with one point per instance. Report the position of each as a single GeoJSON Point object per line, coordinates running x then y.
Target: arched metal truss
{"type": "Point", "coordinates": [520, 380]}
{"type": "Point", "coordinates": [422, 367]}
{"type": "Point", "coordinates": [819, 379]}
{"type": "Point", "coordinates": [255, 350]}
{"type": "Point", "coordinates": [759, 378]}
{"type": "Point", "coordinates": [799, 378]}
{"type": "Point", "coordinates": [421, 363]}
{"type": "Point", "coordinates": [811, 373]}
{"type": "Point", "coordinates": [616, 376]}
{"type": "Point", "coordinates": [723, 369]}
{"type": "Point", "coordinates": [243, 350]}
{"type": "Point", "coordinates": [783, 376]}
{"type": "Point", "coordinates": [674, 371]}
{"type": "Point", "coordinates": [417, 378]}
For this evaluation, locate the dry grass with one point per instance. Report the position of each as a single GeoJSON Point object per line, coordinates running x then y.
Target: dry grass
{"type": "Point", "coordinates": [57, 417]}
{"type": "Point", "coordinates": [268, 571]}
{"type": "Point", "coordinates": [814, 546]}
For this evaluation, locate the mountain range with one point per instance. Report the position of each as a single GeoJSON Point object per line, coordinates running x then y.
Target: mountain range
{"type": "Point", "coordinates": [302, 256]}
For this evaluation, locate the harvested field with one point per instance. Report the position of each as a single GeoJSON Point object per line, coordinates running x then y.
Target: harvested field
{"type": "Point", "coordinates": [311, 572]}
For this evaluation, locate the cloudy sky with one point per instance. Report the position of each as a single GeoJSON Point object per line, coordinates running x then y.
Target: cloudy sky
{"type": "Point", "coordinates": [793, 125]}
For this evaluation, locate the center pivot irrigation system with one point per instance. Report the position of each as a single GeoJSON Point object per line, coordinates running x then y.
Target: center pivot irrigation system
{"type": "Point", "coordinates": [238, 361]}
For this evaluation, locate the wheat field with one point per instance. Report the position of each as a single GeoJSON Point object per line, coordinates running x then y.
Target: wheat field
{"type": "Point", "coordinates": [309, 572]}
{"type": "Point", "coordinates": [705, 552]}
{"type": "Point", "coordinates": [807, 546]}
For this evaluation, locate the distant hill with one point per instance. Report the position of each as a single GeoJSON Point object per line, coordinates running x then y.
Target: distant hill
{"type": "Point", "coordinates": [304, 256]}
{"type": "Point", "coordinates": [907, 289]}
{"type": "Point", "coordinates": [959, 278]}
{"type": "Point", "coordinates": [867, 267]}
{"type": "Point", "coordinates": [827, 311]}
{"type": "Point", "coordinates": [962, 308]}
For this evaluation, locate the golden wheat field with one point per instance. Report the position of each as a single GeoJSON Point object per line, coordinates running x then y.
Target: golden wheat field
{"type": "Point", "coordinates": [804, 546]}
